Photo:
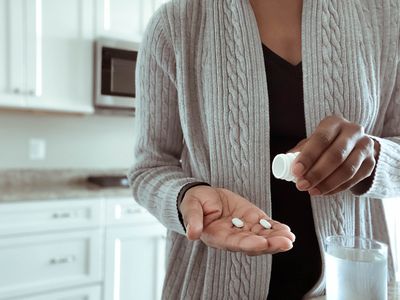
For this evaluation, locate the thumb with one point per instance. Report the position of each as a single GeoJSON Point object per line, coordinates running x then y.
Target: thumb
{"type": "Point", "coordinates": [192, 213]}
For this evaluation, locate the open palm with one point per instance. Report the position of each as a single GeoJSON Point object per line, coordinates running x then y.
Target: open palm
{"type": "Point", "coordinates": [209, 213]}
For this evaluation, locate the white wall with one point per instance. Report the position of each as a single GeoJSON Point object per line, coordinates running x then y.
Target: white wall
{"type": "Point", "coordinates": [73, 142]}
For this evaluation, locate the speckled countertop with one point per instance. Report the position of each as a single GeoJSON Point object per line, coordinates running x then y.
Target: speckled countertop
{"type": "Point", "coordinates": [28, 185]}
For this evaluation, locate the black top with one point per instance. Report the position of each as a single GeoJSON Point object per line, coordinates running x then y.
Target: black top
{"type": "Point", "coordinates": [294, 272]}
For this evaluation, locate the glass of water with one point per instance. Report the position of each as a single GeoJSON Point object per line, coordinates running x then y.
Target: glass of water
{"type": "Point", "coordinates": [355, 268]}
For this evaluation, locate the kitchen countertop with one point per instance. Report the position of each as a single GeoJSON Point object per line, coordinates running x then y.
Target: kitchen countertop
{"type": "Point", "coordinates": [26, 185]}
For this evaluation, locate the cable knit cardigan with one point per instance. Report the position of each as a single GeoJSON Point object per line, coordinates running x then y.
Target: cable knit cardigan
{"type": "Point", "coordinates": [202, 115]}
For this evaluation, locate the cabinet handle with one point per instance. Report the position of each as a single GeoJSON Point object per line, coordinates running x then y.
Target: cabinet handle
{"type": "Point", "coordinates": [62, 260]}
{"type": "Point", "coordinates": [31, 93]}
{"type": "Point", "coordinates": [62, 215]}
{"type": "Point", "coordinates": [133, 211]}
{"type": "Point", "coordinates": [16, 91]}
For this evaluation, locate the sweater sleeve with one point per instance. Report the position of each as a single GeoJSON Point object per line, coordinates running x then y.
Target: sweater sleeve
{"type": "Point", "coordinates": [386, 181]}
{"type": "Point", "coordinates": [157, 177]}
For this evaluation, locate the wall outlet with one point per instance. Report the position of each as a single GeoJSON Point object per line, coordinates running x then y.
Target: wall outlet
{"type": "Point", "coordinates": [37, 149]}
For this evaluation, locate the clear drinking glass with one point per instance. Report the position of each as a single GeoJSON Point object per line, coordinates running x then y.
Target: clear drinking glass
{"type": "Point", "coordinates": [356, 268]}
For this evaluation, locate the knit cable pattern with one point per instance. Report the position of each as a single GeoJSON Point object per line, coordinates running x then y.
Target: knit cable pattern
{"type": "Point", "coordinates": [238, 115]}
{"type": "Point", "coordinates": [333, 91]}
{"type": "Point", "coordinates": [242, 87]}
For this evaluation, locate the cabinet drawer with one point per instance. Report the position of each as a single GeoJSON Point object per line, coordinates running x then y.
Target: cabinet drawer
{"type": "Point", "coordinates": [88, 293]}
{"type": "Point", "coordinates": [46, 262]}
{"type": "Point", "coordinates": [127, 211]}
{"type": "Point", "coordinates": [40, 216]}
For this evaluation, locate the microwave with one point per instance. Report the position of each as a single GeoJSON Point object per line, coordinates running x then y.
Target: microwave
{"type": "Point", "coordinates": [115, 71]}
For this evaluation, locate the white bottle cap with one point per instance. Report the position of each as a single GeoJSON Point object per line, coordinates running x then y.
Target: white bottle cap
{"type": "Point", "coordinates": [282, 166]}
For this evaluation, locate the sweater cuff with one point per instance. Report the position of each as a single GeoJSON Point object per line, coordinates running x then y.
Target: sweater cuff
{"type": "Point", "coordinates": [181, 195]}
{"type": "Point", "coordinates": [384, 182]}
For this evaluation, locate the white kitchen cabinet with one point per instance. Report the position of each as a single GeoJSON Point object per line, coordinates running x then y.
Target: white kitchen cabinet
{"type": "Point", "coordinates": [46, 48]}
{"type": "Point", "coordinates": [50, 216]}
{"type": "Point", "coordinates": [48, 54]}
{"type": "Point", "coordinates": [134, 254]}
{"type": "Point", "coordinates": [60, 59]}
{"type": "Point", "coordinates": [4, 41]}
{"type": "Point", "coordinates": [134, 266]}
{"type": "Point", "coordinates": [80, 249]}
{"type": "Point", "coordinates": [87, 293]}
{"type": "Point", "coordinates": [125, 19]}
{"type": "Point", "coordinates": [50, 246]}
{"type": "Point", "coordinates": [125, 211]}
{"type": "Point", "coordinates": [12, 49]}
{"type": "Point", "coordinates": [49, 261]}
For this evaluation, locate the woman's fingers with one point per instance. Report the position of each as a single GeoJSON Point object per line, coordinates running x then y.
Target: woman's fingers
{"type": "Point", "coordinates": [233, 239]}
{"type": "Point", "coordinates": [248, 242]}
{"type": "Point", "coordinates": [340, 176]}
{"type": "Point", "coordinates": [192, 213]}
{"type": "Point", "coordinates": [251, 243]}
{"type": "Point", "coordinates": [359, 165]}
{"type": "Point", "coordinates": [278, 229]}
{"type": "Point", "coordinates": [219, 232]}
{"type": "Point", "coordinates": [279, 226]}
{"type": "Point", "coordinates": [279, 244]}
{"type": "Point", "coordinates": [337, 156]}
{"type": "Point", "coordinates": [227, 237]}
{"type": "Point", "coordinates": [268, 233]}
{"type": "Point", "coordinates": [367, 167]}
{"type": "Point", "coordinates": [319, 141]}
{"type": "Point", "coordinates": [329, 162]}
{"type": "Point", "coordinates": [275, 245]}
{"type": "Point", "coordinates": [299, 146]}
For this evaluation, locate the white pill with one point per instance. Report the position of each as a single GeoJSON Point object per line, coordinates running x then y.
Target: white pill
{"type": "Point", "coordinates": [264, 223]}
{"type": "Point", "coordinates": [237, 222]}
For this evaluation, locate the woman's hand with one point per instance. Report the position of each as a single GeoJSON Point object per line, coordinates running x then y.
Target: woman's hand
{"type": "Point", "coordinates": [207, 213]}
{"type": "Point", "coordinates": [338, 156]}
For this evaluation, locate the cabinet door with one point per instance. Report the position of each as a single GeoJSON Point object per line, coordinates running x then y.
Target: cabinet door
{"type": "Point", "coordinates": [134, 267]}
{"type": "Point", "coordinates": [39, 263]}
{"type": "Point", "coordinates": [87, 293]}
{"type": "Point", "coordinates": [125, 19]}
{"type": "Point", "coordinates": [12, 43]}
{"type": "Point", "coordinates": [60, 54]}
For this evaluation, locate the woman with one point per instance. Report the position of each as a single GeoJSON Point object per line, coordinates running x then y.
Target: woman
{"type": "Point", "coordinates": [223, 86]}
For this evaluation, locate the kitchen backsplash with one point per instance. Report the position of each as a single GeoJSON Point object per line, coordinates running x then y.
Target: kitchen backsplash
{"type": "Point", "coordinates": [71, 141]}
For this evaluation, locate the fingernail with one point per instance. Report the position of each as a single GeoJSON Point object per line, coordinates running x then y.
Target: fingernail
{"type": "Point", "coordinates": [298, 169]}
{"type": "Point", "coordinates": [303, 184]}
{"type": "Point", "coordinates": [286, 249]}
{"type": "Point", "coordinates": [315, 192]}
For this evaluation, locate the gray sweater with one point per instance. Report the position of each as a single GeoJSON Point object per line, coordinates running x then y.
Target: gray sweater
{"type": "Point", "coordinates": [202, 115]}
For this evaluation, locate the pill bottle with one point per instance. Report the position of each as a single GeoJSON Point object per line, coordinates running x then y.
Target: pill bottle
{"type": "Point", "coordinates": [282, 166]}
